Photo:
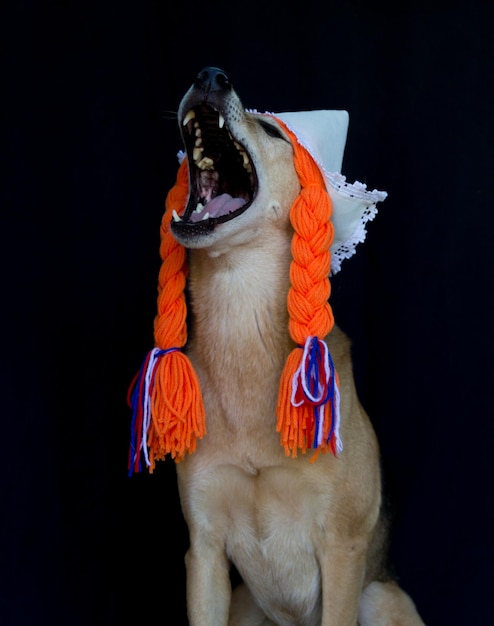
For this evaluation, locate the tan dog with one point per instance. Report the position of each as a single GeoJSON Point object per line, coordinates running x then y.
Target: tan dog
{"type": "Point", "coordinates": [307, 538]}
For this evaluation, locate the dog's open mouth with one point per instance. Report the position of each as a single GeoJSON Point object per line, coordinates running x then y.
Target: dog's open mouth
{"type": "Point", "coordinates": [222, 177]}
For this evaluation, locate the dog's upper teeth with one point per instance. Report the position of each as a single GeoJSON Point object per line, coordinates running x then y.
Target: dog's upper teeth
{"type": "Point", "coordinates": [221, 120]}
{"type": "Point", "coordinates": [189, 116]}
{"type": "Point", "coordinates": [246, 163]}
{"type": "Point", "coordinates": [205, 164]}
{"type": "Point", "coordinates": [245, 156]}
{"type": "Point", "coordinates": [197, 153]}
{"type": "Point", "coordinates": [176, 216]}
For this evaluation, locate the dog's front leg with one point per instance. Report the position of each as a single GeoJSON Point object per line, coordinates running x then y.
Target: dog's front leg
{"type": "Point", "coordinates": [208, 585]}
{"type": "Point", "coordinates": [342, 569]}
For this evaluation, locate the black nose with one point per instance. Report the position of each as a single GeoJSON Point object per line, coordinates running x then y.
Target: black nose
{"type": "Point", "coordinates": [212, 79]}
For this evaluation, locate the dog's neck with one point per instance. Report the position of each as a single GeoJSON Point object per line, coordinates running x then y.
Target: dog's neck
{"type": "Point", "coordinates": [239, 314]}
{"type": "Point", "coordinates": [243, 288]}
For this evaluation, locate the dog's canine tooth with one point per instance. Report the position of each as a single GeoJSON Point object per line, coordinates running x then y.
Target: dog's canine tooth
{"type": "Point", "coordinates": [176, 216]}
{"type": "Point", "coordinates": [190, 115]}
{"type": "Point", "coordinates": [221, 120]}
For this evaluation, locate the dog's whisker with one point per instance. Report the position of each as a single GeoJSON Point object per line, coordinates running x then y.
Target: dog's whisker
{"type": "Point", "coordinates": [169, 115]}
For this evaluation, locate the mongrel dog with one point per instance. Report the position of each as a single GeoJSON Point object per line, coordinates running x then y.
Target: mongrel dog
{"type": "Point", "coordinates": [308, 539]}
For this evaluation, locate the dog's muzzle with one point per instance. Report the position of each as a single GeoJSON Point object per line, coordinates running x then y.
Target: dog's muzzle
{"type": "Point", "coordinates": [222, 178]}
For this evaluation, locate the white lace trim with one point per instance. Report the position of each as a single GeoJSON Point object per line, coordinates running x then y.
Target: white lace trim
{"type": "Point", "coordinates": [353, 207]}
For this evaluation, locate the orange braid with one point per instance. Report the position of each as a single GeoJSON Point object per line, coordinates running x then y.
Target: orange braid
{"type": "Point", "coordinates": [310, 314]}
{"type": "Point", "coordinates": [177, 410]}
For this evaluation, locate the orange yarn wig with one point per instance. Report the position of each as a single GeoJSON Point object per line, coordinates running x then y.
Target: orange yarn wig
{"type": "Point", "coordinates": [165, 396]}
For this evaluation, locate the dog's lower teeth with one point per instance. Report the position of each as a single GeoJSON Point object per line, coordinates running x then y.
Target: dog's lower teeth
{"type": "Point", "coordinates": [221, 120]}
{"type": "Point", "coordinates": [205, 216]}
{"type": "Point", "coordinates": [176, 216]}
{"type": "Point", "coordinates": [199, 208]}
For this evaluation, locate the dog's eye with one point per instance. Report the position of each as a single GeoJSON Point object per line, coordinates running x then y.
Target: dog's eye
{"type": "Point", "coordinates": [271, 130]}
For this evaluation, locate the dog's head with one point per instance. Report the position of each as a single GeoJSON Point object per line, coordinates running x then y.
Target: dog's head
{"type": "Point", "coordinates": [241, 172]}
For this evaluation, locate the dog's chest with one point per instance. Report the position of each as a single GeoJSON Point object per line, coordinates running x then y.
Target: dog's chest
{"type": "Point", "coordinates": [270, 522]}
{"type": "Point", "coordinates": [274, 514]}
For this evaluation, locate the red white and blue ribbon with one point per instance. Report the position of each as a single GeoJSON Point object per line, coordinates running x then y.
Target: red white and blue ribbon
{"type": "Point", "coordinates": [139, 399]}
{"type": "Point", "coordinates": [314, 383]}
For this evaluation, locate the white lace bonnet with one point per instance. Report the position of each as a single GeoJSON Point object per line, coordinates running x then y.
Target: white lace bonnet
{"type": "Point", "coordinates": [323, 133]}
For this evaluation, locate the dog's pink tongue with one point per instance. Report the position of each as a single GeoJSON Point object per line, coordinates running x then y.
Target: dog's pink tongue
{"type": "Point", "coordinates": [221, 205]}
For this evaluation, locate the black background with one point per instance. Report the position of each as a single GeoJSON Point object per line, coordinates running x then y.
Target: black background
{"type": "Point", "coordinates": [89, 142]}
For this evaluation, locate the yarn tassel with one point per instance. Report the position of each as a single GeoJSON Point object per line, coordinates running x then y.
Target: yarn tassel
{"type": "Point", "coordinates": [167, 409]}
{"type": "Point", "coordinates": [309, 401]}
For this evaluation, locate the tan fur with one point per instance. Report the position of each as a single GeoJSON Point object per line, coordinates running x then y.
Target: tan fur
{"type": "Point", "coordinates": [299, 533]}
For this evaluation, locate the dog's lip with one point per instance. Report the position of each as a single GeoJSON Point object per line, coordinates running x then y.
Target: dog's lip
{"type": "Point", "coordinates": [222, 177]}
